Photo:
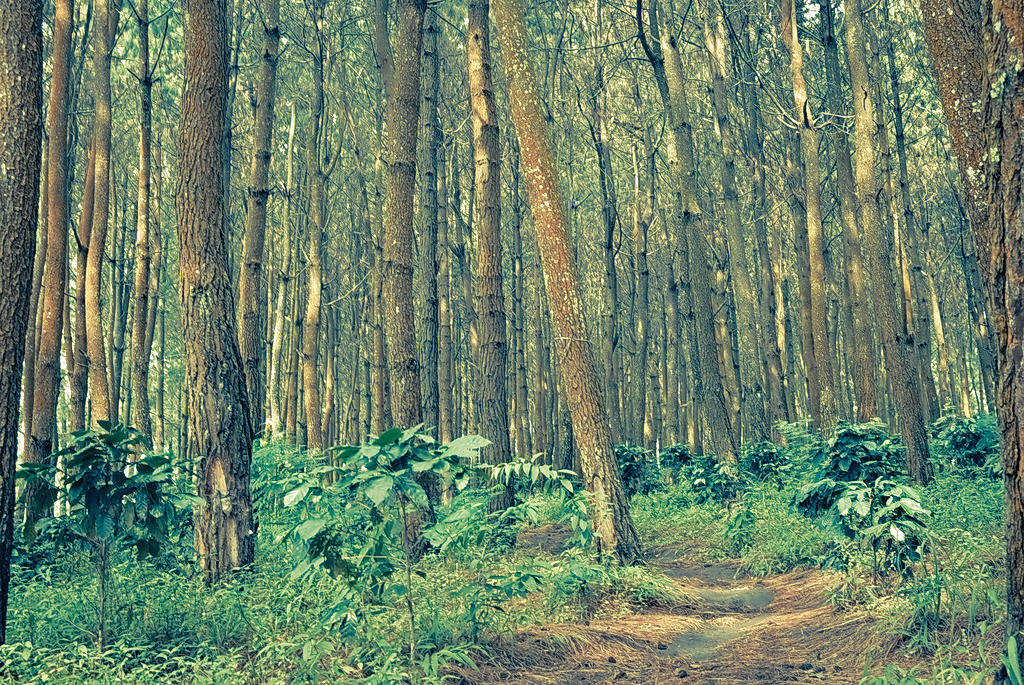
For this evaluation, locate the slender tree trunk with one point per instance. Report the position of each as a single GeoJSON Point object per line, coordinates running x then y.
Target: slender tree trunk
{"type": "Point", "coordinates": [314, 256]}
{"type": "Point", "coordinates": [755, 424]}
{"type": "Point", "coordinates": [492, 351]}
{"type": "Point", "coordinates": [252, 306]}
{"type": "Point", "coordinates": [828, 412]}
{"type": "Point", "coordinates": [862, 340]}
{"type": "Point", "coordinates": [140, 350]}
{"type": "Point", "coordinates": [445, 409]}
{"type": "Point", "coordinates": [898, 365]}
{"type": "Point", "coordinates": [523, 447]}
{"type": "Point", "coordinates": [78, 376]}
{"type": "Point", "coordinates": [429, 211]}
{"type": "Point", "coordinates": [44, 420]}
{"type": "Point", "coordinates": [692, 241]}
{"type": "Point", "coordinates": [31, 332]}
{"type": "Point", "coordinates": [612, 522]}
{"type": "Point", "coordinates": [219, 431]}
{"type": "Point", "coordinates": [100, 387]}
{"type": "Point", "coordinates": [285, 278]}
{"type": "Point", "coordinates": [21, 129]}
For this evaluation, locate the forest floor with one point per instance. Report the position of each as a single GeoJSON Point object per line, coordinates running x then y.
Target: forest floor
{"type": "Point", "coordinates": [736, 629]}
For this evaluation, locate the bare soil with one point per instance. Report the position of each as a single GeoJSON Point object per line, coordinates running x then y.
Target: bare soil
{"type": "Point", "coordinates": [778, 629]}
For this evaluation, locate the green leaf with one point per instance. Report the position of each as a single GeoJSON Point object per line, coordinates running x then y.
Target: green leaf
{"type": "Point", "coordinates": [310, 528]}
{"type": "Point", "coordinates": [104, 526]}
{"type": "Point", "coordinates": [466, 446]}
{"type": "Point", "coordinates": [388, 437]}
{"type": "Point", "coordinates": [416, 494]}
{"type": "Point", "coordinates": [296, 495]}
{"type": "Point", "coordinates": [379, 489]}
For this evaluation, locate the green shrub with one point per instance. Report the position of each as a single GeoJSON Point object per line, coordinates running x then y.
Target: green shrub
{"type": "Point", "coordinates": [765, 461]}
{"type": "Point", "coordinates": [969, 447]}
{"type": "Point", "coordinates": [635, 467]}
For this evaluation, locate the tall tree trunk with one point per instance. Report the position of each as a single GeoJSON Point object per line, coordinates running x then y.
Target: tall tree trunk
{"type": "Point", "coordinates": [692, 242]}
{"type": "Point", "coordinates": [31, 332]}
{"type": "Point", "coordinates": [252, 304]}
{"type": "Point", "coordinates": [863, 343]}
{"type": "Point", "coordinates": [285, 278]}
{"type": "Point", "coordinates": [78, 375]}
{"type": "Point", "coordinates": [897, 362]}
{"type": "Point", "coordinates": [44, 420]}
{"type": "Point", "coordinates": [140, 349]}
{"type": "Point", "coordinates": [523, 447]}
{"type": "Point", "coordinates": [492, 351]}
{"type": "Point", "coordinates": [445, 408]}
{"type": "Point", "coordinates": [641, 217]}
{"type": "Point", "coordinates": [21, 129]}
{"type": "Point", "coordinates": [612, 522]}
{"type": "Point", "coordinates": [772, 353]}
{"type": "Point", "coordinates": [314, 256]}
{"type": "Point", "coordinates": [755, 424]}
{"type": "Point", "coordinates": [106, 26]}
{"type": "Point", "coordinates": [828, 412]}
{"type": "Point", "coordinates": [428, 239]}
{"type": "Point", "coordinates": [219, 430]}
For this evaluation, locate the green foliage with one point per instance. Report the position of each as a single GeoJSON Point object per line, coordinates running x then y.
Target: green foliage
{"type": "Point", "coordinates": [858, 453]}
{"type": "Point", "coordinates": [969, 447]}
{"type": "Point", "coordinates": [765, 461]}
{"type": "Point", "coordinates": [675, 457]}
{"type": "Point", "coordinates": [635, 467]}
{"type": "Point", "coordinates": [711, 480]}
{"type": "Point", "coordinates": [739, 527]}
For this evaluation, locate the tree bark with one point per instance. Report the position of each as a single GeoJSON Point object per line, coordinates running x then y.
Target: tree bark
{"type": "Point", "coordinates": [252, 305]}
{"type": "Point", "coordinates": [863, 362]}
{"type": "Point", "coordinates": [44, 420]}
{"type": "Point", "coordinates": [21, 130]}
{"type": "Point", "coordinates": [140, 349]}
{"type": "Point", "coordinates": [492, 350]}
{"type": "Point", "coordinates": [900, 368]}
{"type": "Point", "coordinates": [755, 425]}
{"type": "Point", "coordinates": [612, 522]}
{"type": "Point", "coordinates": [828, 412]}
{"type": "Point", "coordinates": [219, 432]}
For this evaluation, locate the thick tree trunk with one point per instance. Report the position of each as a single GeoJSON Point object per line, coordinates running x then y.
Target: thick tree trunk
{"type": "Point", "coordinates": [252, 296]}
{"type": "Point", "coordinates": [21, 130]}
{"type": "Point", "coordinates": [612, 522]}
{"type": "Point", "coordinates": [219, 431]}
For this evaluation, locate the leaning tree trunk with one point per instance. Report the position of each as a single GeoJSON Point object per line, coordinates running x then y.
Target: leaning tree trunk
{"type": "Point", "coordinates": [219, 431]}
{"type": "Point", "coordinates": [21, 130]}
{"type": "Point", "coordinates": [612, 521]}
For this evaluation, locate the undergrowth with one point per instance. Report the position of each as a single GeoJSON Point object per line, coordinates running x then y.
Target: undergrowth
{"type": "Point", "coordinates": [335, 598]}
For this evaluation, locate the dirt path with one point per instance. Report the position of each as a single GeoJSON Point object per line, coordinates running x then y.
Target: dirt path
{"type": "Point", "coordinates": [778, 629]}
